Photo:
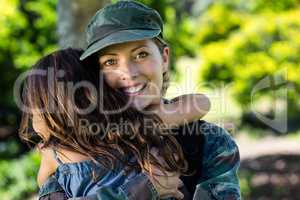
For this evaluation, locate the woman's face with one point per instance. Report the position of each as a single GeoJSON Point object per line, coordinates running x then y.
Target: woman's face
{"type": "Point", "coordinates": [136, 69]}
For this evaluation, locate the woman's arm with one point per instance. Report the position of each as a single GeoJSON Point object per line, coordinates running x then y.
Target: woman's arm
{"type": "Point", "coordinates": [221, 162]}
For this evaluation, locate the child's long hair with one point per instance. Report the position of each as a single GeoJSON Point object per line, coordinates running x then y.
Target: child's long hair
{"type": "Point", "coordinates": [50, 91]}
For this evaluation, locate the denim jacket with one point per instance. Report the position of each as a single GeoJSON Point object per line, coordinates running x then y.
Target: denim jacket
{"type": "Point", "coordinates": [216, 177]}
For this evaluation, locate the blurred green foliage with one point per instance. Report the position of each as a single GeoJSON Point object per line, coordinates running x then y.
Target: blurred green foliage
{"type": "Point", "coordinates": [243, 42]}
{"type": "Point", "coordinates": [28, 31]}
{"type": "Point", "coordinates": [18, 177]}
{"type": "Point", "coordinates": [9, 148]}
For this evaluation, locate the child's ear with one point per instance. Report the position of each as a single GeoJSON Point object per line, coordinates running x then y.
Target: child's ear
{"type": "Point", "coordinates": [165, 59]}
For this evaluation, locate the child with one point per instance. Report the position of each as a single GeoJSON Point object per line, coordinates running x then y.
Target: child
{"type": "Point", "coordinates": [85, 161]}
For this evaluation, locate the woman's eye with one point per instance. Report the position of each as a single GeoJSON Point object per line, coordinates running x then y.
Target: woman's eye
{"type": "Point", "coordinates": [142, 55]}
{"type": "Point", "coordinates": [109, 62]}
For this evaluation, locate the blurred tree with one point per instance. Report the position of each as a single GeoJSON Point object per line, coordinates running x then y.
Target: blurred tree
{"type": "Point", "coordinates": [73, 17]}
{"type": "Point", "coordinates": [27, 32]}
{"type": "Point", "coordinates": [243, 42]}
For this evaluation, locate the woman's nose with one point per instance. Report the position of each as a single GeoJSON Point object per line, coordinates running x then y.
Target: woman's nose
{"type": "Point", "coordinates": [129, 71]}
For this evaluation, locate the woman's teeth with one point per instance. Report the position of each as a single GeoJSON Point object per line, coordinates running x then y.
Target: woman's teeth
{"type": "Point", "coordinates": [134, 89]}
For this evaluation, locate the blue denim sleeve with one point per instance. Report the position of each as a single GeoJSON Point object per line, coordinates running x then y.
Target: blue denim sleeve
{"type": "Point", "coordinates": [137, 187]}
{"type": "Point", "coordinates": [51, 190]}
{"type": "Point", "coordinates": [221, 162]}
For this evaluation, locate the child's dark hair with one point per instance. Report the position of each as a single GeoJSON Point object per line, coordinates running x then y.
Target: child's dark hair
{"type": "Point", "coordinates": [60, 112]}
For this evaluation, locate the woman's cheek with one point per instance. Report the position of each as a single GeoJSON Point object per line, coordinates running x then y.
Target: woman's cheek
{"type": "Point", "coordinates": [111, 79]}
{"type": "Point", "coordinates": [151, 69]}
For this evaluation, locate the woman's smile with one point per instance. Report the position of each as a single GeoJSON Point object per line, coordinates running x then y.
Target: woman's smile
{"type": "Point", "coordinates": [134, 90]}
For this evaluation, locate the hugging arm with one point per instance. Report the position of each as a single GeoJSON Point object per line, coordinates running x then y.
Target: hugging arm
{"type": "Point", "coordinates": [221, 162]}
{"type": "Point", "coordinates": [182, 109]}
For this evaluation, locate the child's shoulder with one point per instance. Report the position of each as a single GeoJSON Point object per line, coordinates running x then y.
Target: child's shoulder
{"type": "Point", "coordinates": [51, 159]}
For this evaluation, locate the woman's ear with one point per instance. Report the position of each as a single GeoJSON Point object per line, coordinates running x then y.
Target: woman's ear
{"type": "Point", "coordinates": [165, 59]}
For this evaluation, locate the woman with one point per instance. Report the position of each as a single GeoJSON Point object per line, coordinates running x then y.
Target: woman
{"type": "Point", "coordinates": [126, 39]}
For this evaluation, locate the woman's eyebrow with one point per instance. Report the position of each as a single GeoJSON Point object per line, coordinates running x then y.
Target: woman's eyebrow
{"type": "Point", "coordinates": [132, 50]}
{"type": "Point", "coordinates": [115, 54]}
{"type": "Point", "coordinates": [108, 54]}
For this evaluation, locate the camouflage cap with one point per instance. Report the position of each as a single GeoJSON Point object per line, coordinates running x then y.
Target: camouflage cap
{"type": "Point", "coordinates": [123, 21]}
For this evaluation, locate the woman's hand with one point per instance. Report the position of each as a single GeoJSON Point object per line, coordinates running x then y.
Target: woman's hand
{"type": "Point", "coordinates": [166, 184]}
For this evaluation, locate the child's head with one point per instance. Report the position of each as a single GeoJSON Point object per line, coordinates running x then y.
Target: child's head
{"type": "Point", "coordinates": [121, 29]}
{"type": "Point", "coordinates": [57, 95]}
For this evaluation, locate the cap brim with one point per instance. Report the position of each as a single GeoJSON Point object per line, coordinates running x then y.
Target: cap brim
{"type": "Point", "coordinates": [119, 37]}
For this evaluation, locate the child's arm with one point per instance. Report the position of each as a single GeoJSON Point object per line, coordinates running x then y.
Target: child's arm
{"type": "Point", "coordinates": [48, 165]}
{"type": "Point", "coordinates": [184, 109]}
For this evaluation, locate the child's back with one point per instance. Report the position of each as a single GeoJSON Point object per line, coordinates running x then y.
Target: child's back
{"type": "Point", "coordinates": [86, 177]}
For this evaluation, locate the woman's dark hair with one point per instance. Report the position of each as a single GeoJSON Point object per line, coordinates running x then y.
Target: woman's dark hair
{"type": "Point", "coordinates": [61, 112]}
{"type": "Point", "coordinates": [166, 75]}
